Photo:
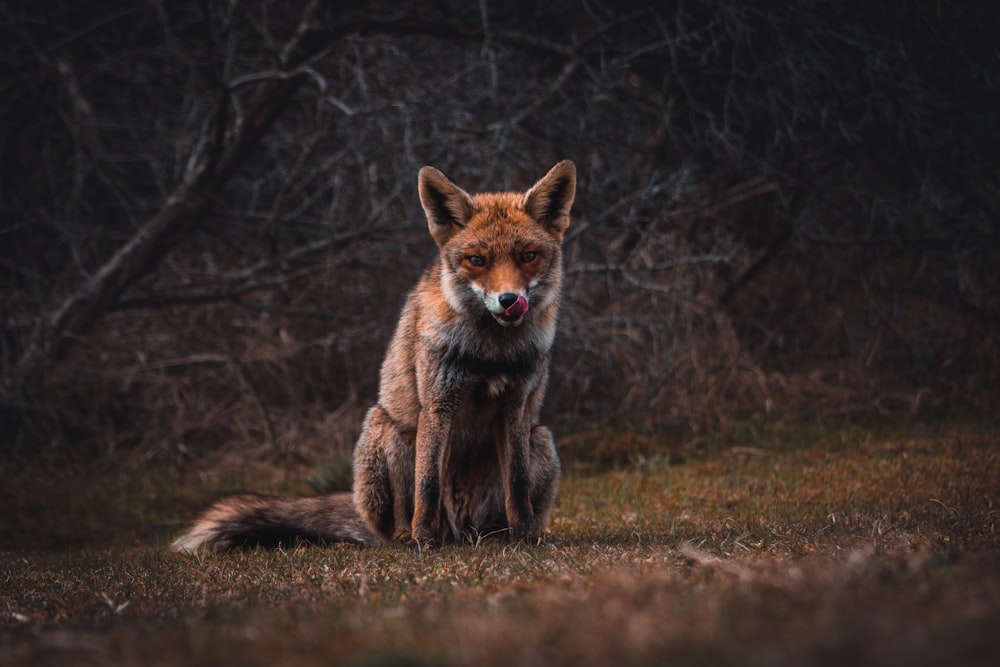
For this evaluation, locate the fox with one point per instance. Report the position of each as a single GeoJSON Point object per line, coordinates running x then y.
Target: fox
{"type": "Point", "coordinates": [452, 450]}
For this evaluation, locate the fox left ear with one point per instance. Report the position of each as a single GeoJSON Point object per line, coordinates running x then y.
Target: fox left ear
{"type": "Point", "coordinates": [447, 206]}
{"type": "Point", "coordinates": [550, 199]}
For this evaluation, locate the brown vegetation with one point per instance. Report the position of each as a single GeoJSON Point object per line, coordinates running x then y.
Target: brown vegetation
{"type": "Point", "coordinates": [209, 212]}
{"type": "Point", "coordinates": [793, 547]}
{"type": "Point", "coordinates": [208, 221]}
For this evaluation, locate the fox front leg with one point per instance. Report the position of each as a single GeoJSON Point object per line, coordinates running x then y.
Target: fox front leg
{"type": "Point", "coordinates": [432, 434]}
{"type": "Point", "coordinates": [511, 436]}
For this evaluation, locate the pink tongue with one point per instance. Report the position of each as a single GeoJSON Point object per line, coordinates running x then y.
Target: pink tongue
{"type": "Point", "coordinates": [518, 308]}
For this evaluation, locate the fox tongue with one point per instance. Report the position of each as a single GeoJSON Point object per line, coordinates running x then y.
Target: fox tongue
{"type": "Point", "coordinates": [518, 308]}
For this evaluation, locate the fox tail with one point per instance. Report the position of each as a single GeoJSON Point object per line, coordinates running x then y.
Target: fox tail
{"type": "Point", "coordinates": [249, 519]}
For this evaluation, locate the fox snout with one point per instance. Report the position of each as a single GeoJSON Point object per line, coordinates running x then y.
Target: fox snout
{"type": "Point", "coordinates": [507, 308]}
{"type": "Point", "coordinates": [514, 305]}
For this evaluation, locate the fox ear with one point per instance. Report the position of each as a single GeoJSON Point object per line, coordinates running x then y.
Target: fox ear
{"type": "Point", "coordinates": [447, 206]}
{"type": "Point", "coordinates": [549, 200]}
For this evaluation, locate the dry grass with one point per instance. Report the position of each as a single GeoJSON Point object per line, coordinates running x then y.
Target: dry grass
{"type": "Point", "coordinates": [805, 547]}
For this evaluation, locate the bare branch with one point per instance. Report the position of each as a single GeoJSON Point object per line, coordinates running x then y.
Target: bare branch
{"type": "Point", "coordinates": [182, 211]}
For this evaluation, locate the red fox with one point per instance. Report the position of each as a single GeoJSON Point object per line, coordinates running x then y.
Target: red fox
{"type": "Point", "coordinates": [452, 450]}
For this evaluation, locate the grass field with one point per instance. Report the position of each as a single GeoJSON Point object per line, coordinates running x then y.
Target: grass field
{"type": "Point", "coordinates": [842, 546]}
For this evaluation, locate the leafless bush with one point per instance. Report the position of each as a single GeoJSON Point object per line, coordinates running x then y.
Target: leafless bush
{"type": "Point", "coordinates": [210, 218]}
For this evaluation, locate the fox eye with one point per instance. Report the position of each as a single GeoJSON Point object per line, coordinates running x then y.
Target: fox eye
{"type": "Point", "coordinates": [475, 260]}
{"type": "Point", "coordinates": [528, 257]}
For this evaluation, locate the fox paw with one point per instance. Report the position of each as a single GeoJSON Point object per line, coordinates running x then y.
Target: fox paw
{"type": "Point", "coordinates": [526, 534]}
{"type": "Point", "coordinates": [423, 540]}
{"type": "Point", "coordinates": [423, 545]}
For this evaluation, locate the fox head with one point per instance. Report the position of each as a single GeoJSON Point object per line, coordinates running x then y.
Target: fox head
{"type": "Point", "coordinates": [500, 252]}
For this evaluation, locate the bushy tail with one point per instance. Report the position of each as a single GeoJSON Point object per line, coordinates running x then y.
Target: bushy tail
{"type": "Point", "coordinates": [249, 519]}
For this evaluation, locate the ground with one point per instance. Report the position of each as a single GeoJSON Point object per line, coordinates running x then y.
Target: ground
{"type": "Point", "coordinates": [847, 545]}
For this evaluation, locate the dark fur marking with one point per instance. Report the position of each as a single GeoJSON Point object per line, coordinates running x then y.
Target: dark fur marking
{"type": "Point", "coordinates": [430, 489]}
{"type": "Point", "coordinates": [556, 199]}
{"type": "Point", "coordinates": [261, 527]}
{"type": "Point", "coordinates": [443, 215]}
{"type": "Point", "coordinates": [518, 368]}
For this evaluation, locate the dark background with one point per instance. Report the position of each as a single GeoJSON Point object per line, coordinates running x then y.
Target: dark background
{"type": "Point", "coordinates": [209, 217]}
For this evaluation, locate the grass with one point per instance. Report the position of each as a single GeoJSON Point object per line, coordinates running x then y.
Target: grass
{"type": "Point", "coordinates": [787, 547]}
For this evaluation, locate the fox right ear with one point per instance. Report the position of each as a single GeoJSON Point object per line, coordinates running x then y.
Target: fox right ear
{"type": "Point", "coordinates": [550, 199]}
{"type": "Point", "coordinates": [447, 206]}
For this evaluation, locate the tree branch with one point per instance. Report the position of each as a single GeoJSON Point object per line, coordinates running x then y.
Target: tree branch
{"type": "Point", "coordinates": [183, 210]}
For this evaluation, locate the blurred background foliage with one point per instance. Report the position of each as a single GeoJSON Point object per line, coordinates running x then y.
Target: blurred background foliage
{"type": "Point", "coordinates": [209, 218]}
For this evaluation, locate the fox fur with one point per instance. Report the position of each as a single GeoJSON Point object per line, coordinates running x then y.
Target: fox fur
{"type": "Point", "coordinates": [452, 450]}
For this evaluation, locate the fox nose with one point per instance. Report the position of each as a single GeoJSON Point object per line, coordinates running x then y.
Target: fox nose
{"type": "Point", "coordinates": [507, 300]}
